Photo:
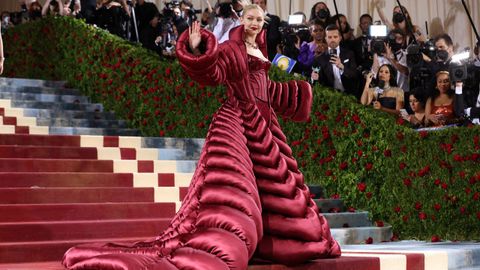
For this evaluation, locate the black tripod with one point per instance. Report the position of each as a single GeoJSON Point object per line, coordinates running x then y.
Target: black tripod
{"type": "Point", "coordinates": [134, 20]}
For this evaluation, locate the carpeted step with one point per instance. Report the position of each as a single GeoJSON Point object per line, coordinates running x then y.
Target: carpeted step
{"type": "Point", "coordinates": [48, 152]}
{"type": "Point", "coordinates": [75, 195]}
{"type": "Point", "coordinates": [330, 205]}
{"type": "Point", "coordinates": [54, 165]}
{"type": "Point", "coordinates": [71, 114]}
{"type": "Point", "coordinates": [69, 122]}
{"type": "Point", "coordinates": [24, 82]}
{"type": "Point", "coordinates": [93, 131]}
{"type": "Point", "coordinates": [360, 235]}
{"type": "Point", "coordinates": [84, 211]}
{"type": "Point", "coordinates": [348, 219]}
{"type": "Point", "coordinates": [14, 252]}
{"type": "Point", "coordinates": [9, 93]}
{"type": "Point", "coordinates": [65, 179]}
{"type": "Point", "coordinates": [192, 146]}
{"type": "Point", "coordinates": [41, 140]}
{"type": "Point", "coordinates": [81, 229]}
{"type": "Point", "coordinates": [54, 106]}
{"type": "Point", "coordinates": [342, 263]}
{"type": "Point", "coordinates": [35, 89]}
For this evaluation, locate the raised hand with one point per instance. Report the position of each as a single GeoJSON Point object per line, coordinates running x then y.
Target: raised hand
{"type": "Point", "coordinates": [194, 37]}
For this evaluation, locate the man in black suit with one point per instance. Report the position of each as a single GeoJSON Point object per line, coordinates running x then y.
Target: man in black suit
{"type": "Point", "coordinates": [87, 10]}
{"type": "Point", "coordinates": [336, 67]}
{"type": "Point", "coordinates": [274, 37]}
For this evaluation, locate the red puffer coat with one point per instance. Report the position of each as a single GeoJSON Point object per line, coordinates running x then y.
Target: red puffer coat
{"type": "Point", "coordinates": [247, 196]}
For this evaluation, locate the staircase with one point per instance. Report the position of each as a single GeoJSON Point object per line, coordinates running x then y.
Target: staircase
{"type": "Point", "coordinates": [71, 173]}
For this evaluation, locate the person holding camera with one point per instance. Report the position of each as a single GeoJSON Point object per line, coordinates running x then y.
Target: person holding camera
{"type": "Point", "coordinates": [336, 67]}
{"type": "Point", "coordinates": [87, 10]}
{"type": "Point", "coordinates": [53, 8]}
{"type": "Point", "coordinates": [386, 96]}
{"type": "Point", "coordinates": [361, 45]}
{"type": "Point", "coordinates": [228, 13]}
{"type": "Point", "coordinates": [468, 95]}
{"type": "Point", "coordinates": [401, 21]}
{"type": "Point", "coordinates": [112, 15]}
{"type": "Point", "coordinates": [393, 52]}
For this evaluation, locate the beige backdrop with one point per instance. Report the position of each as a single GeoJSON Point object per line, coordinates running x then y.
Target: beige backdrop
{"type": "Point", "coordinates": [441, 15]}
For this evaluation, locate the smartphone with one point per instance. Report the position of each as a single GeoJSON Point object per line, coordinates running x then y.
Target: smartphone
{"type": "Point", "coordinates": [403, 112]}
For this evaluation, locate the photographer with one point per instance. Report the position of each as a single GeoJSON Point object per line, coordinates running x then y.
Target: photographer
{"type": "Point", "coordinates": [87, 10]}
{"type": "Point", "coordinates": [413, 32]}
{"type": "Point", "coordinates": [393, 52]}
{"type": "Point", "coordinates": [188, 13]}
{"type": "Point", "coordinates": [112, 15]}
{"type": "Point", "coordinates": [228, 13]}
{"type": "Point", "coordinates": [469, 95]}
{"type": "Point", "coordinates": [52, 8]}
{"type": "Point", "coordinates": [166, 43]}
{"type": "Point", "coordinates": [361, 45]}
{"type": "Point", "coordinates": [208, 19]}
{"type": "Point", "coordinates": [147, 16]}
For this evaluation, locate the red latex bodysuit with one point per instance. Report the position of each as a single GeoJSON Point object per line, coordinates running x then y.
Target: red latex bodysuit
{"type": "Point", "coordinates": [247, 196]}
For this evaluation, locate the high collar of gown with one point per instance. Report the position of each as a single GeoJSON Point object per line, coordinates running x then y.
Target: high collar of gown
{"type": "Point", "coordinates": [237, 34]}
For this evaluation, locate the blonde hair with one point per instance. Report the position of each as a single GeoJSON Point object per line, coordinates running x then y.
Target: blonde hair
{"type": "Point", "coordinates": [442, 72]}
{"type": "Point", "coordinates": [252, 6]}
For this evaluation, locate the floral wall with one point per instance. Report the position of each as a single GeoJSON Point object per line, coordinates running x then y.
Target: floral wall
{"type": "Point", "coordinates": [427, 185]}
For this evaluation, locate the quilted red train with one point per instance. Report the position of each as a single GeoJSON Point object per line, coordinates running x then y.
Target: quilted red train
{"type": "Point", "coordinates": [247, 197]}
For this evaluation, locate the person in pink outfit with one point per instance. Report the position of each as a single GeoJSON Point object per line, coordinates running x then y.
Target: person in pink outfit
{"type": "Point", "coordinates": [247, 198]}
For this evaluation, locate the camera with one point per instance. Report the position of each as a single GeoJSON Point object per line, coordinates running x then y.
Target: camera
{"type": "Point", "coordinates": [172, 4]}
{"type": "Point", "coordinates": [225, 10]}
{"type": "Point", "coordinates": [379, 38]}
{"type": "Point", "coordinates": [458, 72]}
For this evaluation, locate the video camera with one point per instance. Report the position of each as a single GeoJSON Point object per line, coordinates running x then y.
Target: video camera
{"type": "Point", "coordinates": [379, 36]}
{"type": "Point", "coordinates": [294, 26]}
{"type": "Point", "coordinates": [225, 9]}
{"type": "Point", "coordinates": [172, 4]}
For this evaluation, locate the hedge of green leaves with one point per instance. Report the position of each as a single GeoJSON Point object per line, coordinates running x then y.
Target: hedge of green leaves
{"type": "Point", "coordinates": [427, 185]}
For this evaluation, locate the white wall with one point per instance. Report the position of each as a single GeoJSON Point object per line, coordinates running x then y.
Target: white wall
{"type": "Point", "coordinates": [434, 12]}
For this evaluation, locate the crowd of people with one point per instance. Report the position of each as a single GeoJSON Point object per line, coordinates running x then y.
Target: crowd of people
{"type": "Point", "coordinates": [388, 72]}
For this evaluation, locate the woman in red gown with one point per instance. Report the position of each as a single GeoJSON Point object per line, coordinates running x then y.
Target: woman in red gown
{"type": "Point", "coordinates": [247, 197]}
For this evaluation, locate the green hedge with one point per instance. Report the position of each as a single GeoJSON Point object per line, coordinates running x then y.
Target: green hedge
{"type": "Point", "coordinates": [427, 185]}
